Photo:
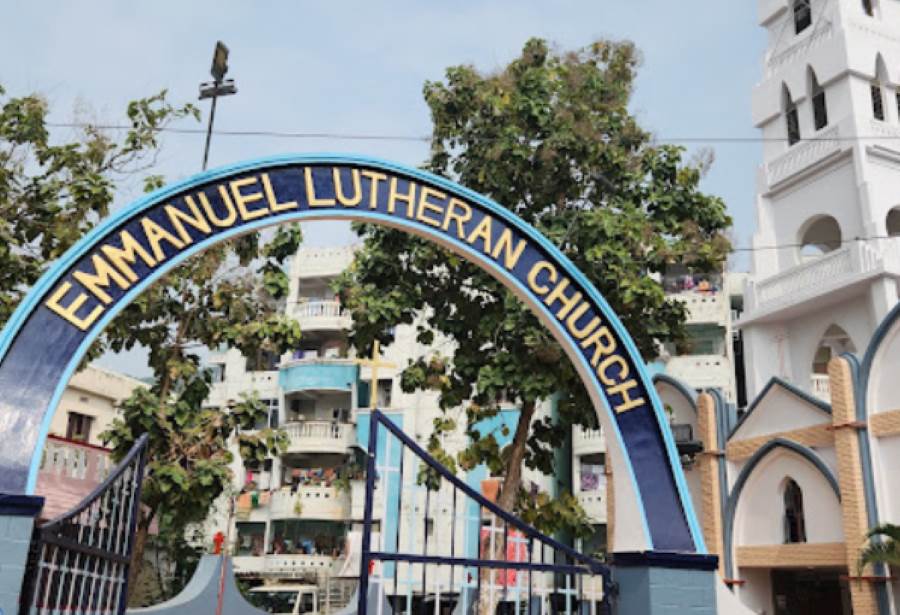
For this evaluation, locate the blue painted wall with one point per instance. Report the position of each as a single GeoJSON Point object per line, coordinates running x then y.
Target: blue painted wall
{"type": "Point", "coordinates": [392, 511]}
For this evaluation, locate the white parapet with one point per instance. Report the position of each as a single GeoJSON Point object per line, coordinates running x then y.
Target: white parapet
{"type": "Point", "coordinates": [319, 437]}
{"type": "Point", "coordinates": [321, 315]}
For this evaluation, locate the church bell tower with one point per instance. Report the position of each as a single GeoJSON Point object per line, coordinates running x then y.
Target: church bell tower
{"type": "Point", "coordinates": [826, 253]}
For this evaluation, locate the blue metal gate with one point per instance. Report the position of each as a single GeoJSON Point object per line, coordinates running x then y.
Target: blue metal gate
{"type": "Point", "coordinates": [442, 545]}
{"type": "Point", "coordinates": [80, 560]}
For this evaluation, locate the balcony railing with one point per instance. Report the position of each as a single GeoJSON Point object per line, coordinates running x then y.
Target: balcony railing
{"type": "Point", "coordinates": [593, 504]}
{"type": "Point", "coordinates": [804, 155]}
{"type": "Point", "coordinates": [702, 370]}
{"type": "Point", "coordinates": [820, 386]}
{"type": "Point", "coordinates": [319, 436]}
{"type": "Point", "coordinates": [310, 502]}
{"type": "Point", "coordinates": [815, 278]}
{"type": "Point", "coordinates": [316, 309]}
{"type": "Point", "coordinates": [781, 57]}
{"type": "Point", "coordinates": [586, 441]}
{"type": "Point", "coordinates": [285, 566]}
{"type": "Point", "coordinates": [69, 472]}
{"type": "Point", "coordinates": [711, 307]}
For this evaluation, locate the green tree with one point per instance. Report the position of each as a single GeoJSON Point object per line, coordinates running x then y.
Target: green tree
{"type": "Point", "coordinates": [52, 192]}
{"type": "Point", "coordinates": [228, 296]}
{"type": "Point", "coordinates": [883, 546]}
{"type": "Point", "coordinates": [550, 137]}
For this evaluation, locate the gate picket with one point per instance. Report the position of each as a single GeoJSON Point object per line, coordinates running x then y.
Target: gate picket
{"type": "Point", "coordinates": [562, 581]}
{"type": "Point", "coordinates": [79, 561]}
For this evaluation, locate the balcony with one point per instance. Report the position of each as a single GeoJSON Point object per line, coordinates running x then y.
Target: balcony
{"type": "Point", "coordinates": [803, 44]}
{"type": "Point", "coordinates": [320, 316]}
{"type": "Point", "coordinates": [594, 504]}
{"type": "Point", "coordinates": [702, 371]}
{"type": "Point", "coordinates": [323, 262]}
{"type": "Point", "coordinates": [587, 441]}
{"type": "Point", "coordinates": [833, 277]}
{"type": "Point", "coordinates": [803, 155]}
{"type": "Point", "coordinates": [69, 472]}
{"type": "Point", "coordinates": [886, 134]}
{"type": "Point", "coordinates": [705, 308]}
{"type": "Point", "coordinates": [820, 387]}
{"type": "Point", "coordinates": [320, 437]}
{"type": "Point", "coordinates": [285, 566]}
{"type": "Point", "coordinates": [310, 502]}
{"type": "Point", "coordinates": [318, 375]}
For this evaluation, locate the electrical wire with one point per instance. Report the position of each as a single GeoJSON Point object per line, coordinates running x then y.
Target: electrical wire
{"type": "Point", "coordinates": [387, 137]}
{"type": "Point", "coordinates": [281, 134]}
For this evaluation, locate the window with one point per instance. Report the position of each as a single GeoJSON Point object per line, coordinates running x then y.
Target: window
{"type": "Point", "coordinates": [79, 427]}
{"type": "Point", "coordinates": [217, 372]}
{"type": "Point", "coordinates": [820, 109]}
{"type": "Point", "coordinates": [868, 7]}
{"type": "Point", "coordinates": [877, 102]}
{"type": "Point", "coordinates": [593, 472]}
{"type": "Point", "coordinates": [791, 120]}
{"type": "Point", "coordinates": [794, 521]}
{"type": "Point", "coordinates": [834, 343]}
{"type": "Point", "coordinates": [893, 222]}
{"type": "Point", "coordinates": [802, 15]}
{"type": "Point", "coordinates": [271, 418]}
{"type": "Point", "coordinates": [385, 387]}
{"type": "Point", "coordinates": [818, 236]}
{"type": "Point", "coordinates": [881, 79]}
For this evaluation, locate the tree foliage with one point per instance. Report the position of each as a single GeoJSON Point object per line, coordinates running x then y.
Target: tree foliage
{"type": "Point", "coordinates": [52, 192]}
{"type": "Point", "coordinates": [550, 137]}
{"type": "Point", "coordinates": [229, 296]}
{"type": "Point", "coordinates": [883, 546]}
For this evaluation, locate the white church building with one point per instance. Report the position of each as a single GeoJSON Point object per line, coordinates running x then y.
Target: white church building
{"type": "Point", "coordinates": [787, 488]}
{"type": "Point", "coordinates": [828, 190]}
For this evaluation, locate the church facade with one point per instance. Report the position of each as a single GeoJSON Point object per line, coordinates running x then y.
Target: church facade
{"type": "Point", "coordinates": [788, 487]}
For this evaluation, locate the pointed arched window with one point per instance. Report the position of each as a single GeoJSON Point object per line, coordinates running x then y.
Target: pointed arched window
{"type": "Point", "coordinates": [877, 88]}
{"type": "Point", "coordinates": [792, 122]}
{"type": "Point", "coordinates": [819, 106]}
{"type": "Point", "coordinates": [794, 520]}
{"type": "Point", "coordinates": [802, 15]}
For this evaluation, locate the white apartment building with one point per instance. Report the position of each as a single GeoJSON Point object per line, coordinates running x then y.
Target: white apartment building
{"type": "Point", "coordinates": [299, 516]}
{"type": "Point", "coordinates": [714, 302]}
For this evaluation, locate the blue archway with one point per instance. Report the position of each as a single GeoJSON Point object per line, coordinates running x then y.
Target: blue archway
{"type": "Point", "coordinates": [53, 327]}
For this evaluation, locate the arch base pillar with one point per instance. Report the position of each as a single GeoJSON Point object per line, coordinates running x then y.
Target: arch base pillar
{"type": "Point", "coordinates": [658, 583]}
{"type": "Point", "coordinates": [17, 515]}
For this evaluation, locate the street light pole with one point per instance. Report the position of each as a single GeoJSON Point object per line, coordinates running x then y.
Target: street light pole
{"type": "Point", "coordinates": [213, 89]}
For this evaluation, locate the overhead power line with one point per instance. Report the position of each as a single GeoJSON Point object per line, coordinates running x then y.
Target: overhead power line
{"type": "Point", "coordinates": [286, 134]}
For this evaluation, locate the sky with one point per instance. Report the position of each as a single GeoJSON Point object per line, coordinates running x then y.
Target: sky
{"type": "Point", "coordinates": [359, 67]}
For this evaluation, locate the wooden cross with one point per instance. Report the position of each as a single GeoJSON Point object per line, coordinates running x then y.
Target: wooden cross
{"type": "Point", "coordinates": [374, 364]}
